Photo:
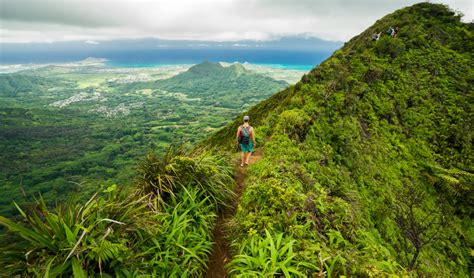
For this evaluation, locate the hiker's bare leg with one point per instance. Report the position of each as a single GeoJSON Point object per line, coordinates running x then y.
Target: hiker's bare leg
{"type": "Point", "coordinates": [243, 158]}
{"type": "Point", "coordinates": [248, 157]}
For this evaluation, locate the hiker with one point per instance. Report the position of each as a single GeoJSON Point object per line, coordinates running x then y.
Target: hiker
{"type": "Point", "coordinates": [376, 36]}
{"type": "Point", "coordinates": [395, 31]}
{"type": "Point", "coordinates": [390, 31]}
{"type": "Point", "coordinates": [245, 138]}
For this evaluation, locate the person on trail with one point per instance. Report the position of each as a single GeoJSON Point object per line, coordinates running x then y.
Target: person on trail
{"type": "Point", "coordinates": [376, 36]}
{"type": "Point", "coordinates": [390, 31]}
{"type": "Point", "coordinates": [246, 140]}
{"type": "Point", "coordinates": [395, 31]}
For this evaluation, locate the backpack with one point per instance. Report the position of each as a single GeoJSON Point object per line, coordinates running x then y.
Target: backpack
{"type": "Point", "coordinates": [244, 137]}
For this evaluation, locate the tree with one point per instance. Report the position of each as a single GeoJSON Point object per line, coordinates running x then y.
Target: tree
{"type": "Point", "coordinates": [418, 222]}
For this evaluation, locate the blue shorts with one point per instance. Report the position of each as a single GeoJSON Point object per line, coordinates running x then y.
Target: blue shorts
{"type": "Point", "coordinates": [246, 148]}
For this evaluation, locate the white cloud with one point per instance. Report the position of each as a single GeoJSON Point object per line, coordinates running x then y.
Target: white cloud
{"type": "Point", "coordinates": [240, 45]}
{"type": "Point", "coordinates": [91, 42]}
{"type": "Point", "coordinates": [223, 20]}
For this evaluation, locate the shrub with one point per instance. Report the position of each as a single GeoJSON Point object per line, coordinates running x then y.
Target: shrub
{"type": "Point", "coordinates": [295, 123]}
{"type": "Point", "coordinates": [390, 46]}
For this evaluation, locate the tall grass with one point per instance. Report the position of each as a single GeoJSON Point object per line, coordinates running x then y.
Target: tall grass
{"type": "Point", "coordinates": [158, 175]}
{"type": "Point", "coordinates": [73, 238]}
{"type": "Point", "coordinates": [164, 176]}
{"type": "Point", "coordinates": [119, 238]}
{"type": "Point", "coordinates": [161, 227]}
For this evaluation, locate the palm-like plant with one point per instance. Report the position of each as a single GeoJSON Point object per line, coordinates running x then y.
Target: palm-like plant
{"type": "Point", "coordinates": [73, 239]}
{"type": "Point", "coordinates": [184, 239]}
{"type": "Point", "coordinates": [455, 181]}
{"type": "Point", "coordinates": [268, 256]}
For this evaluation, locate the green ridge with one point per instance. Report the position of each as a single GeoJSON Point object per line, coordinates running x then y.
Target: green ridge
{"type": "Point", "coordinates": [368, 165]}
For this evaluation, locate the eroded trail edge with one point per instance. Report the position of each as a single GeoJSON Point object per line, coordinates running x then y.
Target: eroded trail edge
{"type": "Point", "coordinates": [220, 255]}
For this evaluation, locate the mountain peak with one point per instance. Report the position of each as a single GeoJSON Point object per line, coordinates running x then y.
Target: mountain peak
{"type": "Point", "coordinates": [237, 68]}
{"type": "Point", "coordinates": [205, 67]}
{"type": "Point", "coordinates": [224, 79]}
{"type": "Point", "coordinates": [217, 69]}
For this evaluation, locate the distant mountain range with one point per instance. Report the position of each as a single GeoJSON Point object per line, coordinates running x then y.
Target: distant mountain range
{"type": "Point", "coordinates": [291, 42]}
{"type": "Point", "coordinates": [288, 50]}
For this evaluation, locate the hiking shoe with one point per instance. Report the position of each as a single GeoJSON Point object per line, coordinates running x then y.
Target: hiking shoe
{"type": "Point", "coordinates": [241, 165]}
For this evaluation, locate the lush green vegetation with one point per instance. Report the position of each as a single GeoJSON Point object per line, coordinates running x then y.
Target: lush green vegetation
{"type": "Point", "coordinates": [93, 141]}
{"type": "Point", "coordinates": [367, 171]}
{"type": "Point", "coordinates": [368, 161]}
{"type": "Point", "coordinates": [142, 230]}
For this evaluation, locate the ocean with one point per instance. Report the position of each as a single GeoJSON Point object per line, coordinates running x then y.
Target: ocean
{"type": "Point", "coordinates": [286, 59]}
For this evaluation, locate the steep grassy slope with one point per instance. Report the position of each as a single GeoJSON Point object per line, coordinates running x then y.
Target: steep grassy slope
{"type": "Point", "coordinates": [368, 166]}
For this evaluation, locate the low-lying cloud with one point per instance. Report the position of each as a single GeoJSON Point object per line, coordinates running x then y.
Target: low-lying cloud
{"type": "Point", "coordinates": [210, 20]}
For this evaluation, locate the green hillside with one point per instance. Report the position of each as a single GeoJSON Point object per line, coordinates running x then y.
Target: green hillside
{"type": "Point", "coordinates": [368, 160]}
{"type": "Point", "coordinates": [66, 127]}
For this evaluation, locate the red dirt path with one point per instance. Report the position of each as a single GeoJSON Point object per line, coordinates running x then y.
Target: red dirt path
{"type": "Point", "coordinates": [220, 255]}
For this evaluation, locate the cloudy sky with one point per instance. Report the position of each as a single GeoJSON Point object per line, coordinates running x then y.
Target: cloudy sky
{"type": "Point", "coordinates": [217, 20]}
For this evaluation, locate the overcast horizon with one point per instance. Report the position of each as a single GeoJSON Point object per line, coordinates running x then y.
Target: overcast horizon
{"type": "Point", "coordinates": [39, 21]}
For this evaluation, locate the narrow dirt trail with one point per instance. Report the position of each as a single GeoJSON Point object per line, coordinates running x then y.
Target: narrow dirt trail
{"type": "Point", "coordinates": [220, 255]}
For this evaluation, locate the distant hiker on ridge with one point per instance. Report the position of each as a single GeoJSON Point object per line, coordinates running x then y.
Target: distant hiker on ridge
{"type": "Point", "coordinates": [244, 134]}
{"type": "Point", "coordinates": [376, 36]}
{"type": "Point", "coordinates": [390, 31]}
{"type": "Point", "coordinates": [395, 31]}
